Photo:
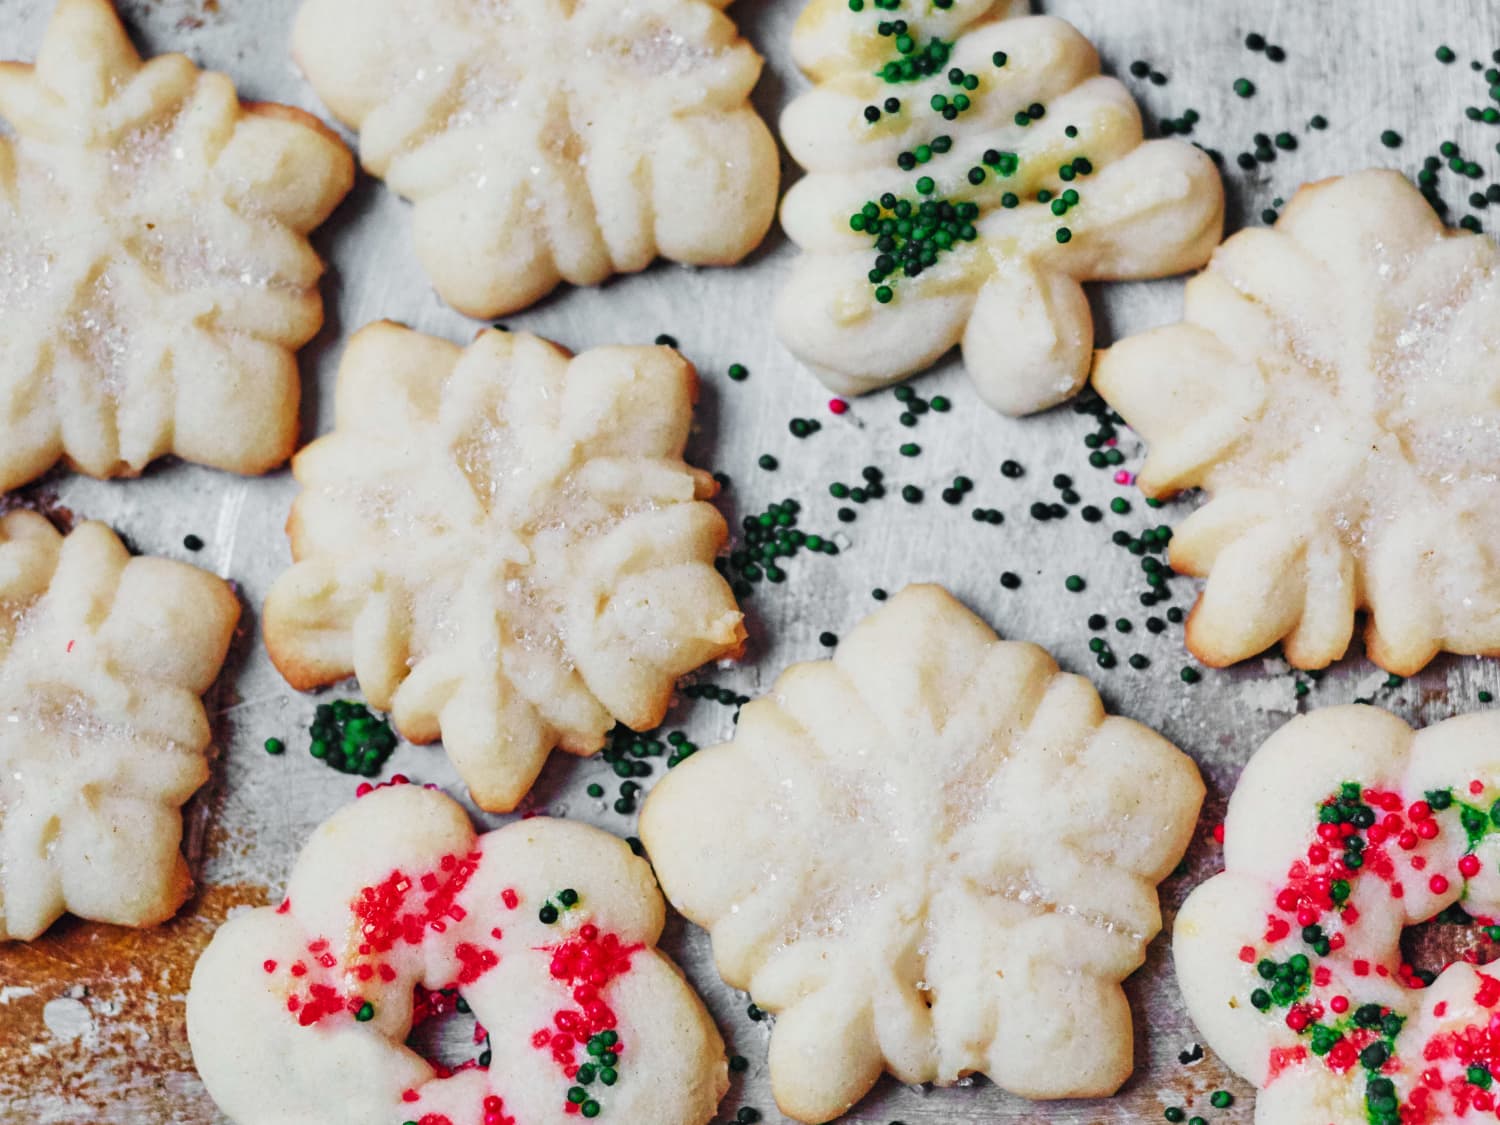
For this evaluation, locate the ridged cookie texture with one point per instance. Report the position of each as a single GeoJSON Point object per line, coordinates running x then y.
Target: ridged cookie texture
{"type": "Point", "coordinates": [933, 854]}
{"type": "Point", "coordinates": [966, 171]}
{"type": "Point", "coordinates": [396, 910]}
{"type": "Point", "coordinates": [103, 658]}
{"type": "Point", "coordinates": [155, 274]}
{"type": "Point", "coordinates": [505, 545]}
{"type": "Point", "coordinates": [544, 141]}
{"type": "Point", "coordinates": [1346, 827]}
{"type": "Point", "coordinates": [1333, 387]}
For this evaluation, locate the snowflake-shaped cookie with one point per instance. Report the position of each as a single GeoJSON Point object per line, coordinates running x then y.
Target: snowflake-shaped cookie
{"type": "Point", "coordinates": [102, 734]}
{"type": "Point", "coordinates": [1335, 387]}
{"type": "Point", "coordinates": [155, 275]}
{"type": "Point", "coordinates": [543, 141]}
{"type": "Point", "coordinates": [933, 854]}
{"type": "Point", "coordinates": [546, 928]}
{"type": "Point", "coordinates": [506, 547]}
{"type": "Point", "coordinates": [966, 172]}
{"type": "Point", "coordinates": [1346, 827]}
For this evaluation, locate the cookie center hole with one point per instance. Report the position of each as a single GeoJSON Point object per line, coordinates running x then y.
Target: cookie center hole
{"type": "Point", "coordinates": [1430, 947]}
{"type": "Point", "coordinates": [445, 1032]}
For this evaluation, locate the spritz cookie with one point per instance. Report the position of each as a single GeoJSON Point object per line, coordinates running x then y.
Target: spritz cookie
{"type": "Point", "coordinates": [1335, 388]}
{"type": "Point", "coordinates": [103, 735]}
{"type": "Point", "coordinates": [933, 855]}
{"type": "Point", "coordinates": [543, 142]}
{"type": "Point", "coordinates": [966, 171]}
{"type": "Point", "coordinates": [1345, 827]}
{"type": "Point", "coordinates": [155, 275]}
{"type": "Point", "coordinates": [545, 930]}
{"type": "Point", "coordinates": [505, 545]}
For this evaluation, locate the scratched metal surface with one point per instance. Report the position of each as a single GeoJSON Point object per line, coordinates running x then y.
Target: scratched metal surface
{"type": "Point", "coordinates": [91, 1019]}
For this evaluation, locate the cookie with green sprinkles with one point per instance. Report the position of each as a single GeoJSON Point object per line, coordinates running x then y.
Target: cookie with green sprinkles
{"type": "Point", "coordinates": [576, 142]}
{"type": "Point", "coordinates": [1346, 827]}
{"type": "Point", "coordinates": [994, 936]}
{"type": "Point", "coordinates": [506, 547]}
{"type": "Point", "coordinates": [1313, 390]}
{"type": "Point", "coordinates": [544, 931]}
{"type": "Point", "coordinates": [966, 173]}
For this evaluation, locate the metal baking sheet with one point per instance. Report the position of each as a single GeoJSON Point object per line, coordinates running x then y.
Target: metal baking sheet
{"type": "Point", "coordinates": [91, 1017]}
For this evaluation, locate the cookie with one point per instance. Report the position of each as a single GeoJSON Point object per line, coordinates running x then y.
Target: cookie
{"type": "Point", "coordinates": [103, 736]}
{"type": "Point", "coordinates": [155, 275]}
{"type": "Point", "coordinates": [966, 171]}
{"type": "Point", "coordinates": [504, 543]}
{"type": "Point", "coordinates": [1345, 827]}
{"type": "Point", "coordinates": [544, 142]}
{"type": "Point", "coordinates": [934, 855]}
{"type": "Point", "coordinates": [545, 929]}
{"type": "Point", "coordinates": [1333, 387]}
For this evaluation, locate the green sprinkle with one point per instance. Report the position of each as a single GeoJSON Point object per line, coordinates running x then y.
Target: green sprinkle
{"type": "Point", "coordinates": [1221, 1099]}
{"type": "Point", "coordinates": [275, 746]}
{"type": "Point", "coordinates": [1244, 87]}
{"type": "Point", "coordinates": [1064, 235]}
{"type": "Point", "coordinates": [348, 737]}
{"type": "Point", "coordinates": [1445, 54]}
{"type": "Point", "coordinates": [738, 372]}
{"type": "Point", "coordinates": [1074, 584]}
{"type": "Point", "coordinates": [1390, 138]}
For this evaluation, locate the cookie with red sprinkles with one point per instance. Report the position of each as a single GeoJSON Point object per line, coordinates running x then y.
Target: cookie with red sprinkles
{"type": "Point", "coordinates": [396, 912]}
{"type": "Point", "coordinates": [933, 854]}
{"type": "Point", "coordinates": [1347, 827]}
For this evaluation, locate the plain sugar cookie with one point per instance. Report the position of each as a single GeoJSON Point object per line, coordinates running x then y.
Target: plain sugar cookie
{"type": "Point", "coordinates": [504, 544]}
{"type": "Point", "coordinates": [965, 172]}
{"type": "Point", "coordinates": [1345, 828]}
{"type": "Point", "coordinates": [547, 929]}
{"type": "Point", "coordinates": [103, 736]}
{"type": "Point", "coordinates": [155, 275]}
{"type": "Point", "coordinates": [1334, 386]}
{"type": "Point", "coordinates": [933, 855]}
{"type": "Point", "coordinates": [542, 141]}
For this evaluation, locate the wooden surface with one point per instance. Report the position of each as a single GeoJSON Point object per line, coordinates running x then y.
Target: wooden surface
{"type": "Point", "coordinates": [91, 1018]}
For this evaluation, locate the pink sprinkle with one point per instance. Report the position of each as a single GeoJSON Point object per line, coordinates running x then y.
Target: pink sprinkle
{"type": "Point", "coordinates": [269, 966]}
{"type": "Point", "coordinates": [1124, 477]}
{"type": "Point", "coordinates": [70, 645]}
{"type": "Point", "coordinates": [838, 406]}
{"type": "Point", "coordinates": [1476, 787]}
{"type": "Point", "coordinates": [1112, 442]}
{"type": "Point", "coordinates": [510, 898]}
{"type": "Point", "coordinates": [364, 787]}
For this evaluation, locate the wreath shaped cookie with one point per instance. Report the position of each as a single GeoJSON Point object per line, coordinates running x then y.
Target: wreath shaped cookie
{"type": "Point", "coordinates": [934, 854]}
{"type": "Point", "coordinates": [1333, 386]}
{"type": "Point", "coordinates": [1345, 827]}
{"type": "Point", "coordinates": [966, 171]}
{"type": "Point", "coordinates": [547, 142]}
{"type": "Point", "coordinates": [103, 736]}
{"type": "Point", "coordinates": [504, 544]}
{"type": "Point", "coordinates": [546, 929]}
{"type": "Point", "coordinates": [155, 275]}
